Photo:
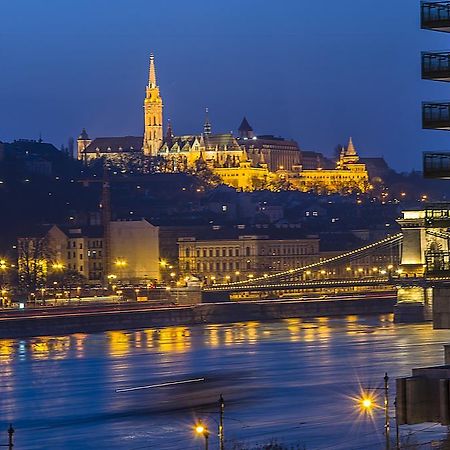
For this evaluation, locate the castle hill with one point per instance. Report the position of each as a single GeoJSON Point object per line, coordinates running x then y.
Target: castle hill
{"type": "Point", "coordinates": [225, 226]}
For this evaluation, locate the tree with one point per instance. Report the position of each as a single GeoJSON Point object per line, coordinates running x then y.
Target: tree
{"type": "Point", "coordinates": [34, 255]}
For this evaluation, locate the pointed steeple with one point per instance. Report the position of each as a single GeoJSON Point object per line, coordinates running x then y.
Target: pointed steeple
{"type": "Point", "coordinates": [83, 135]}
{"type": "Point", "coordinates": [245, 130]}
{"type": "Point", "coordinates": [207, 124]}
{"type": "Point", "coordinates": [152, 72]}
{"type": "Point", "coordinates": [169, 133]}
{"type": "Point", "coordinates": [350, 148]}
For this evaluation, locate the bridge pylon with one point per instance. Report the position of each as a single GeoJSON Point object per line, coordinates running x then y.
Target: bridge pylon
{"type": "Point", "coordinates": [425, 239]}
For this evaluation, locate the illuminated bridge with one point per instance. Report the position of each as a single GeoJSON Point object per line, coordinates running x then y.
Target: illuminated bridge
{"type": "Point", "coordinates": [422, 248]}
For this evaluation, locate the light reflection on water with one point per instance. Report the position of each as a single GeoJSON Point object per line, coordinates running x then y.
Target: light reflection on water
{"type": "Point", "coordinates": [290, 379]}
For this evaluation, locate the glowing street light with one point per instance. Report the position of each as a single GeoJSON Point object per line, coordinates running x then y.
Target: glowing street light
{"type": "Point", "coordinates": [202, 430]}
{"type": "Point", "coordinates": [367, 403]}
{"type": "Point", "coordinates": [57, 266]}
{"type": "Point", "coordinates": [120, 262]}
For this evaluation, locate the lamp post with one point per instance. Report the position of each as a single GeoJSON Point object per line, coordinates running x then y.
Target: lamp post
{"type": "Point", "coordinates": [367, 403]}
{"type": "Point", "coordinates": [221, 432]}
{"type": "Point", "coordinates": [201, 429]}
{"type": "Point", "coordinates": [386, 412]}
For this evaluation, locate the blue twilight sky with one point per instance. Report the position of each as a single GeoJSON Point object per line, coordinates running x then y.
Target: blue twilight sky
{"type": "Point", "coordinates": [313, 70]}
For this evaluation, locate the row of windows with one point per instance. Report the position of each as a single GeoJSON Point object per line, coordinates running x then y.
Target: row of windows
{"type": "Point", "coordinates": [74, 267]}
{"type": "Point", "coordinates": [91, 244]}
{"type": "Point", "coordinates": [276, 250]}
{"type": "Point", "coordinates": [92, 254]}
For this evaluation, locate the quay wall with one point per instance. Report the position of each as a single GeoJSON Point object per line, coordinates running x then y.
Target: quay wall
{"type": "Point", "coordinates": [33, 324]}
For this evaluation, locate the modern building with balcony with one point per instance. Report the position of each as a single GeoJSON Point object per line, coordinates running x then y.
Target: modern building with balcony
{"type": "Point", "coordinates": [436, 66]}
{"type": "Point", "coordinates": [435, 16]}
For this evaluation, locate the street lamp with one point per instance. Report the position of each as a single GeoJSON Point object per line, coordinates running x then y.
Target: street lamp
{"type": "Point", "coordinates": [201, 429]}
{"type": "Point", "coordinates": [367, 403]}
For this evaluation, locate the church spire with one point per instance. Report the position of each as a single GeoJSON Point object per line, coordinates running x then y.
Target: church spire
{"type": "Point", "coordinates": [350, 148]}
{"type": "Point", "coordinates": [152, 72]}
{"type": "Point", "coordinates": [153, 114]}
{"type": "Point", "coordinates": [169, 133]}
{"type": "Point", "coordinates": [207, 125]}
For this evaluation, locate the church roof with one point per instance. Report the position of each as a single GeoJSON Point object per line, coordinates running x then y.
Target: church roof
{"type": "Point", "coordinates": [120, 144]}
{"type": "Point", "coordinates": [220, 141]}
{"type": "Point", "coordinates": [245, 126]}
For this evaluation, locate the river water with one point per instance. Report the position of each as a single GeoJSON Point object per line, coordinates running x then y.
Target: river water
{"type": "Point", "coordinates": [292, 380]}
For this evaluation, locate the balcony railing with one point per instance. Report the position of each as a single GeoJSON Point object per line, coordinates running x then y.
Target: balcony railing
{"type": "Point", "coordinates": [436, 66]}
{"type": "Point", "coordinates": [436, 116]}
{"type": "Point", "coordinates": [436, 165]}
{"type": "Point", "coordinates": [435, 16]}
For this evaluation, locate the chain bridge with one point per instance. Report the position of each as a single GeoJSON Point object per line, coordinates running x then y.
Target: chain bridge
{"type": "Point", "coordinates": [412, 262]}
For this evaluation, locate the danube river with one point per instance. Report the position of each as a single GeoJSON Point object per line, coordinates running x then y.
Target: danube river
{"type": "Point", "coordinates": [292, 380]}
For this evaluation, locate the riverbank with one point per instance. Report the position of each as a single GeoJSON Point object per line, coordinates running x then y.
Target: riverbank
{"type": "Point", "coordinates": [36, 322]}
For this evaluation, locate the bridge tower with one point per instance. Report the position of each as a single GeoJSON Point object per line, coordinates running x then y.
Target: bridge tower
{"type": "Point", "coordinates": [425, 240]}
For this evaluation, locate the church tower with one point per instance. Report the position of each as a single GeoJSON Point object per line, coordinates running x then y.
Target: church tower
{"type": "Point", "coordinates": [153, 114]}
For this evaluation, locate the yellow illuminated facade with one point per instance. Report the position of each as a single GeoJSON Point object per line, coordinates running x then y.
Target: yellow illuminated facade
{"type": "Point", "coordinates": [270, 162]}
{"type": "Point", "coordinates": [153, 114]}
{"type": "Point", "coordinates": [349, 175]}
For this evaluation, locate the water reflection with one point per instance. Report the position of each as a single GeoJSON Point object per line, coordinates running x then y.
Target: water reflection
{"type": "Point", "coordinates": [61, 390]}
{"type": "Point", "coordinates": [179, 339]}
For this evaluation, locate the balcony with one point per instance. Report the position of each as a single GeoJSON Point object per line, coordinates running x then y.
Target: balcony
{"type": "Point", "coordinates": [436, 116]}
{"type": "Point", "coordinates": [435, 16]}
{"type": "Point", "coordinates": [436, 66]}
{"type": "Point", "coordinates": [436, 165]}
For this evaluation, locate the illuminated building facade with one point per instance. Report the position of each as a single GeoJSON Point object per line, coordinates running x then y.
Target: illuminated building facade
{"type": "Point", "coordinates": [239, 257]}
{"type": "Point", "coordinates": [133, 254]}
{"type": "Point", "coordinates": [276, 152]}
{"type": "Point", "coordinates": [153, 114]}
{"type": "Point", "coordinates": [349, 173]}
{"type": "Point", "coordinates": [247, 162]}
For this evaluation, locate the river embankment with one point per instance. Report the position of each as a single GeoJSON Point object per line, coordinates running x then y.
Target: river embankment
{"type": "Point", "coordinates": [62, 321]}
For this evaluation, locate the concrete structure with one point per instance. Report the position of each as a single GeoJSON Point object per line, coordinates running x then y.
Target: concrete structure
{"type": "Point", "coordinates": [425, 396]}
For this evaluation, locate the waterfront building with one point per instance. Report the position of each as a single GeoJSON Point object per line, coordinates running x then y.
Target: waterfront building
{"type": "Point", "coordinates": [131, 254]}
{"type": "Point", "coordinates": [232, 255]}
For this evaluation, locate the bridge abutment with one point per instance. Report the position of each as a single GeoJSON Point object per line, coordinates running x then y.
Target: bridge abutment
{"type": "Point", "coordinates": [414, 304]}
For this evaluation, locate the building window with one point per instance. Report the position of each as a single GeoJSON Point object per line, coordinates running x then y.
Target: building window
{"type": "Point", "coordinates": [188, 253]}
{"type": "Point", "coordinates": [81, 268]}
{"type": "Point", "coordinates": [198, 253]}
{"type": "Point", "coordinates": [210, 252]}
{"type": "Point", "coordinates": [81, 255]}
{"type": "Point", "coordinates": [68, 255]}
{"type": "Point", "coordinates": [81, 246]}
{"type": "Point", "coordinates": [247, 251]}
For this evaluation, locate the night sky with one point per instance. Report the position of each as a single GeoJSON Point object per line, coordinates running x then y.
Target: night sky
{"type": "Point", "coordinates": [316, 71]}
